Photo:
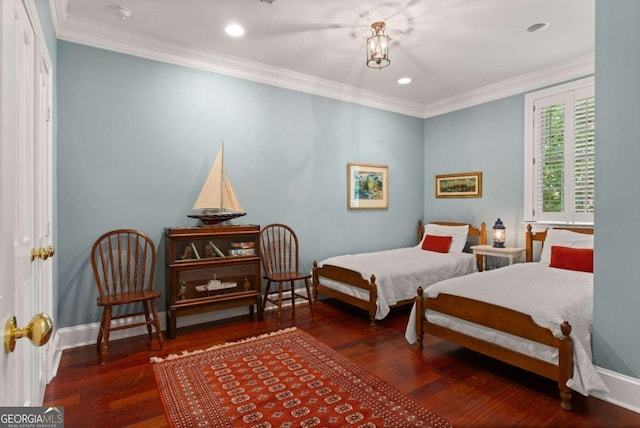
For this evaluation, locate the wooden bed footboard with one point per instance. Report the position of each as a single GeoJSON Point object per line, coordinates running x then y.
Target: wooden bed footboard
{"type": "Point", "coordinates": [348, 276]}
{"type": "Point", "coordinates": [507, 321]}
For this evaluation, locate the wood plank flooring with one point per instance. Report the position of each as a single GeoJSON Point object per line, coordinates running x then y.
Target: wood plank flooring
{"type": "Point", "coordinates": [467, 389]}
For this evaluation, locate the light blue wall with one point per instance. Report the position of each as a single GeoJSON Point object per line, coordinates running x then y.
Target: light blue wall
{"type": "Point", "coordinates": [617, 293]}
{"type": "Point", "coordinates": [485, 138]}
{"type": "Point", "coordinates": [137, 138]}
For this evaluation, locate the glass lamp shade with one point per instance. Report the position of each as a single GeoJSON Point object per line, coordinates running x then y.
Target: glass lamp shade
{"type": "Point", "coordinates": [498, 234]}
{"type": "Point", "coordinates": [378, 47]}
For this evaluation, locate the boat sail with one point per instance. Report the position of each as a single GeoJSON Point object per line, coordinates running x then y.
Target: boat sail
{"type": "Point", "coordinates": [217, 201]}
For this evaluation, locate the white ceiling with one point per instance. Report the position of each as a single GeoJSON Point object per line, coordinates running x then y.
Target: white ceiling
{"type": "Point", "coordinates": [457, 52]}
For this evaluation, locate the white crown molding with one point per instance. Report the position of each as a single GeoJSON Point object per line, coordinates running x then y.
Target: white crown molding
{"type": "Point", "coordinates": [119, 40]}
{"type": "Point", "coordinates": [107, 37]}
{"type": "Point", "coordinates": [579, 67]}
{"type": "Point", "coordinates": [59, 14]}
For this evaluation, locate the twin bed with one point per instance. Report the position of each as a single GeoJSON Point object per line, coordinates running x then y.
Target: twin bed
{"type": "Point", "coordinates": [394, 275]}
{"type": "Point", "coordinates": [536, 316]}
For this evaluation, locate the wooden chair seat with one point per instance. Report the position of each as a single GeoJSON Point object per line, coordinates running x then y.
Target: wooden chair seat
{"type": "Point", "coordinates": [132, 297]}
{"type": "Point", "coordinates": [287, 276]}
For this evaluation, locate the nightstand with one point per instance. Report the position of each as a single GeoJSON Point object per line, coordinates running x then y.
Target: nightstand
{"type": "Point", "coordinates": [510, 253]}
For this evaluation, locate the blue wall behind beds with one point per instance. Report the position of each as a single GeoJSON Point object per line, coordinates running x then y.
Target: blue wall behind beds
{"type": "Point", "coordinates": [485, 138]}
{"type": "Point", "coordinates": [137, 138]}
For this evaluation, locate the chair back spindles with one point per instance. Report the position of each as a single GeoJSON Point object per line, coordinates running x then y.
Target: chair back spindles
{"type": "Point", "coordinates": [124, 262]}
{"type": "Point", "coordinates": [279, 249]}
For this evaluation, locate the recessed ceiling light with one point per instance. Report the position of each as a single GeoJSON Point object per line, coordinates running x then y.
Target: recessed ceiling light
{"type": "Point", "coordinates": [234, 30]}
{"type": "Point", "coordinates": [404, 80]}
{"type": "Point", "coordinates": [122, 12]}
{"type": "Point", "coordinates": [539, 26]}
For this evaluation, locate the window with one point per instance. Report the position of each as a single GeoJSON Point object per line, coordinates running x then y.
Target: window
{"type": "Point", "coordinates": [560, 153]}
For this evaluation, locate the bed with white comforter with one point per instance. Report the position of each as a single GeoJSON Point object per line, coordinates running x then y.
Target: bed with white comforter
{"type": "Point", "coordinates": [378, 281]}
{"type": "Point", "coordinates": [398, 273]}
{"type": "Point", "coordinates": [550, 295]}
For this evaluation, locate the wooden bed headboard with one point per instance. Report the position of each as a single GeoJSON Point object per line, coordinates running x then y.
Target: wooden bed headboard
{"type": "Point", "coordinates": [480, 234]}
{"type": "Point", "coordinates": [541, 236]}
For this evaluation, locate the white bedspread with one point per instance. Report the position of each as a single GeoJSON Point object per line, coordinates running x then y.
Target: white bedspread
{"type": "Point", "coordinates": [399, 272]}
{"type": "Point", "coordinates": [549, 295]}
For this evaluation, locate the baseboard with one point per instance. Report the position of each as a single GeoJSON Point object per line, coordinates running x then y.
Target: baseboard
{"type": "Point", "coordinates": [624, 391]}
{"type": "Point", "coordinates": [86, 334]}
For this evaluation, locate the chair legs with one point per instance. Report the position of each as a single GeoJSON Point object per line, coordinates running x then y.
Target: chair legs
{"type": "Point", "coordinates": [105, 328]}
{"type": "Point", "coordinates": [156, 322]}
{"type": "Point", "coordinates": [266, 296]}
{"type": "Point", "coordinates": [293, 298]}
{"type": "Point", "coordinates": [309, 296]}
{"type": "Point", "coordinates": [104, 331]}
{"type": "Point", "coordinates": [292, 290]}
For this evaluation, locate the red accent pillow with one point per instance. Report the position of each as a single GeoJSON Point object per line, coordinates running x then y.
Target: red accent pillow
{"type": "Point", "coordinates": [439, 244]}
{"type": "Point", "coordinates": [580, 259]}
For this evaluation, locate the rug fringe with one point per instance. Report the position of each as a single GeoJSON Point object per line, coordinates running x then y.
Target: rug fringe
{"type": "Point", "coordinates": [222, 345]}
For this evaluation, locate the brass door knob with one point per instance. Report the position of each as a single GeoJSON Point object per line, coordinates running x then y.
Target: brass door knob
{"type": "Point", "coordinates": [38, 331]}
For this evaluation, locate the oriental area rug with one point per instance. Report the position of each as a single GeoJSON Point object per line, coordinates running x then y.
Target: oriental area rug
{"type": "Point", "coordinates": [281, 379]}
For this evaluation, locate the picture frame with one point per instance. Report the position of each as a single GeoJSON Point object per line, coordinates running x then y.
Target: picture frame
{"type": "Point", "coordinates": [462, 185]}
{"type": "Point", "coordinates": [367, 186]}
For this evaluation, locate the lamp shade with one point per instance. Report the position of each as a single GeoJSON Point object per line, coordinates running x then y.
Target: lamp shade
{"type": "Point", "coordinates": [498, 234]}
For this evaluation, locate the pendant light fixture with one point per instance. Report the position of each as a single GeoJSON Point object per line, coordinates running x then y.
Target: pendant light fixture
{"type": "Point", "coordinates": [378, 47]}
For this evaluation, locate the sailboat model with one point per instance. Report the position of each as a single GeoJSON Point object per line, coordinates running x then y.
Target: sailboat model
{"type": "Point", "coordinates": [217, 201]}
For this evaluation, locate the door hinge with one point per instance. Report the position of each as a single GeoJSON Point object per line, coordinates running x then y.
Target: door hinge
{"type": "Point", "coordinates": [48, 114]}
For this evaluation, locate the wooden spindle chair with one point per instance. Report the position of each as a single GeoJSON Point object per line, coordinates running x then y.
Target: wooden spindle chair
{"type": "Point", "coordinates": [123, 263]}
{"type": "Point", "coordinates": [279, 254]}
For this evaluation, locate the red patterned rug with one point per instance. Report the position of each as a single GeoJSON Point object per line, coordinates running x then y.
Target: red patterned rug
{"type": "Point", "coordinates": [283, 379]}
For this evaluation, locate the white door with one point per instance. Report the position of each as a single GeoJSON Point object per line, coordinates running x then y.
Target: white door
{"type": "Point", "coordinates": [24, 134]}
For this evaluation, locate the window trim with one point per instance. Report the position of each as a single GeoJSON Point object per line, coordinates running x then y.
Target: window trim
{"type": "Point", "coordinates": [529, 144]}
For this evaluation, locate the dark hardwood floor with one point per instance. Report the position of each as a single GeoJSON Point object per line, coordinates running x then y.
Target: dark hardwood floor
{"type": "Point", "coordinates": [467, 389]}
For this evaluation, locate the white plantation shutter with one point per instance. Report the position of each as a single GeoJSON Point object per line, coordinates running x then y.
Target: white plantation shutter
{"type": "Point", "coordinates": [550, 160]}
{"type": "Point", "coordinates": [584, 159]}
{"type": "Point", "coordinates": [560, 154]}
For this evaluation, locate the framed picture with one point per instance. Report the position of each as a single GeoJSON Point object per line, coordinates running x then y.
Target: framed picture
{"type": "Point", "coordinates": [464, 185]}
{"type": "Point", "coordinates": [367, 186]}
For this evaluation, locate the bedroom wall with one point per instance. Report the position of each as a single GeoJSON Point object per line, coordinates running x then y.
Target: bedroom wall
{"type": "Point", "coordinates": [137, 138]}
{"type": "Point", "coordinates": [617, 295]}
{"type": "Point", "coordinates": [485, 138]}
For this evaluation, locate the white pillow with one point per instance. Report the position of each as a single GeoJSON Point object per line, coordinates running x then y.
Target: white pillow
{"type": "Point", "coordinates": [457, 233]}
{"type": "Point", "coordinates": [564, 238]}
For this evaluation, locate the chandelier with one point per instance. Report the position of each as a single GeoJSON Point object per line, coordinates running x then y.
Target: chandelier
{"type": "Point", "coordinates": [378, 47]}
